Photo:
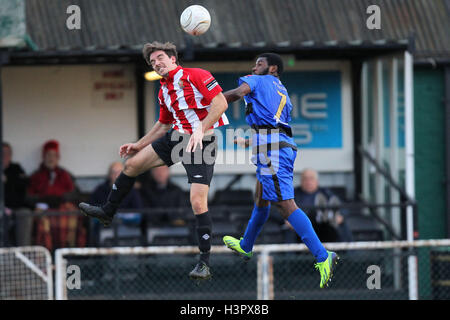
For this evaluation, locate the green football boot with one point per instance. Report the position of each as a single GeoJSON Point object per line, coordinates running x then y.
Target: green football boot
{"type": "Point", "coordinates": [234, 244]}
{"type": "Point", "coordinates": [326, 268]}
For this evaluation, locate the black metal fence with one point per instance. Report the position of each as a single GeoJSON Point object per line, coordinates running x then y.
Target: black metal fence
{"type": "Point", "coordinates": [364, 272]}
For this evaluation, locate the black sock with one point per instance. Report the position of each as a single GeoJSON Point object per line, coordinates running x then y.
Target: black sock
{"type": "Point", "coordinates": [121, 187]}
{"type": "Point", "coordinates": [203, 228]}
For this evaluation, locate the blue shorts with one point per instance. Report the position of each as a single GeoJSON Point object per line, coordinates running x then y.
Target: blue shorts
{"type": "Point", "coordinates": [275, 172]}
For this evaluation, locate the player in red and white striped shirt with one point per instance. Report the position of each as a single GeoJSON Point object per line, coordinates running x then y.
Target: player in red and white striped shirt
{"type": "Point", "coordinates": [185, 98]}
{"type": "Point", "coordinates": [191, 106]}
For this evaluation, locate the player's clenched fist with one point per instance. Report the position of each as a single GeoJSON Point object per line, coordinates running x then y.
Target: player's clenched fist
{"type": "Point", "coordinates": [128, 149]}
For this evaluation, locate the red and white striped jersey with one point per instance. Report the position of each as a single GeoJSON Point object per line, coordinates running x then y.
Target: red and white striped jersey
{"type": "Point", "coordinates": [185, 97]}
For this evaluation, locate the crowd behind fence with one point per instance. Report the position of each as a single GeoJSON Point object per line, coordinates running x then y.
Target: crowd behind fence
{"type": "Point", "coordinates": [48, 228]}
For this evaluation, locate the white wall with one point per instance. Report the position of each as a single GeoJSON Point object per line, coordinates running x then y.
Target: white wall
{"type": "Point", "coordinates": [61, 102]}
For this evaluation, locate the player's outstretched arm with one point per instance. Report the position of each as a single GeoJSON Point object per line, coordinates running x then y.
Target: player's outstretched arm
{"type": "Point", "coordinates": [237, 93]}
{"type": "Point", "coordinates": [159, 129]}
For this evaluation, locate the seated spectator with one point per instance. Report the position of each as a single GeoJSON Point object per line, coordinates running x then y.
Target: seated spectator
{"type": "Point", "coordinates": [15, 188]}
{"type": "Point", "coordinates": [132, 201]}
{"type": "Point", "coordinates": [158, 192]}
{"type": "Point", "coordinates": [329, 225]}
{"type": "Point", "coordinates": [52, 188]}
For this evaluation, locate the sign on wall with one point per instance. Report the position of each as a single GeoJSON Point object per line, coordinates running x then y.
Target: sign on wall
{"type": "Point", "coordinates": [111, 86]}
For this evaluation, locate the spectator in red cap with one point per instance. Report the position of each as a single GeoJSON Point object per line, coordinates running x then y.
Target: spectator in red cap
{"type": "Point", "coordinates": [50, 183]}
{"type": "Point", "coordinates": [52, 188]}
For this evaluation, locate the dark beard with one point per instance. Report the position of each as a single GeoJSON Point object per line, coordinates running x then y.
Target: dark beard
{"type": "Point", "coordinates": [263, 73]}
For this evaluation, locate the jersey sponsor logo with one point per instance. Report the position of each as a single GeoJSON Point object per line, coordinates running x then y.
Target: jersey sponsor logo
{"type": "Point", "coordinates": [181, 84]}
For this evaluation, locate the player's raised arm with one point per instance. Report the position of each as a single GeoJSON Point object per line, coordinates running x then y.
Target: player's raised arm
{"type": "Point", "coordinates": [237, 93]}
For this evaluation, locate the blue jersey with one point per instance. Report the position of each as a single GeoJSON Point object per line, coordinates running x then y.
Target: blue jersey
{"type": "Point", "coordinates": [268, 103]}
{"type": "Point", "coordinates": [269, 99]}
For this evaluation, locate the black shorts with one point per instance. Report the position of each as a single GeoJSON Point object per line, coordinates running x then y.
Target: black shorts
{"type": "Point", "coordinates": [199, 165]}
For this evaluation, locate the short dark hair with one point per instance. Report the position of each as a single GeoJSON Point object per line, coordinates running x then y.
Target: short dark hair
{"type": "Point", "coordinates": [169, 48]}
{"type": "Point", "coordinates": [273, 59]}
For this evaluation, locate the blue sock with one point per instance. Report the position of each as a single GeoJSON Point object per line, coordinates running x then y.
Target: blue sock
{"type": "Point", "coordinates": [254, 226]}
{"type": "Point", "coordinates": [302, 225]}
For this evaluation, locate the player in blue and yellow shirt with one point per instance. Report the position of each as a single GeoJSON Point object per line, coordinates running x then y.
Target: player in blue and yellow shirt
{"type": "Point", "coordinates": [268, 112]}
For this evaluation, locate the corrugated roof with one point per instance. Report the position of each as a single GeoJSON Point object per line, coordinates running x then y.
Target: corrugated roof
{"type": "Point", "coordinates": [112, 24]}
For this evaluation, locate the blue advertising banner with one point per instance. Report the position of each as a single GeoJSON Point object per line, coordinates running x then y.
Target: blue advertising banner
{"type": "Point", "coordinates": [317, 122]}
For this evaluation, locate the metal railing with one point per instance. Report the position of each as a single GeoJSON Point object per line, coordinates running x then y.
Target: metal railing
{"type": "Point", "coordinates": [278, 271]}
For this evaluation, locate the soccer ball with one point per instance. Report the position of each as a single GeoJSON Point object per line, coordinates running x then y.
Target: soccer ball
{"type": "Point", "coordinates": [195, 20]}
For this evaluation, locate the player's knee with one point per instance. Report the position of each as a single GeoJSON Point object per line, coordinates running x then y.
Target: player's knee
{"type": "Point", "coordinates": [286, 207]}
{"type": "Point", "coordinates": [199, 203]}
{"type": "Point", "coordinates": [131, 167]}
{"type": "Point", "coordinates": [199, 207]}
